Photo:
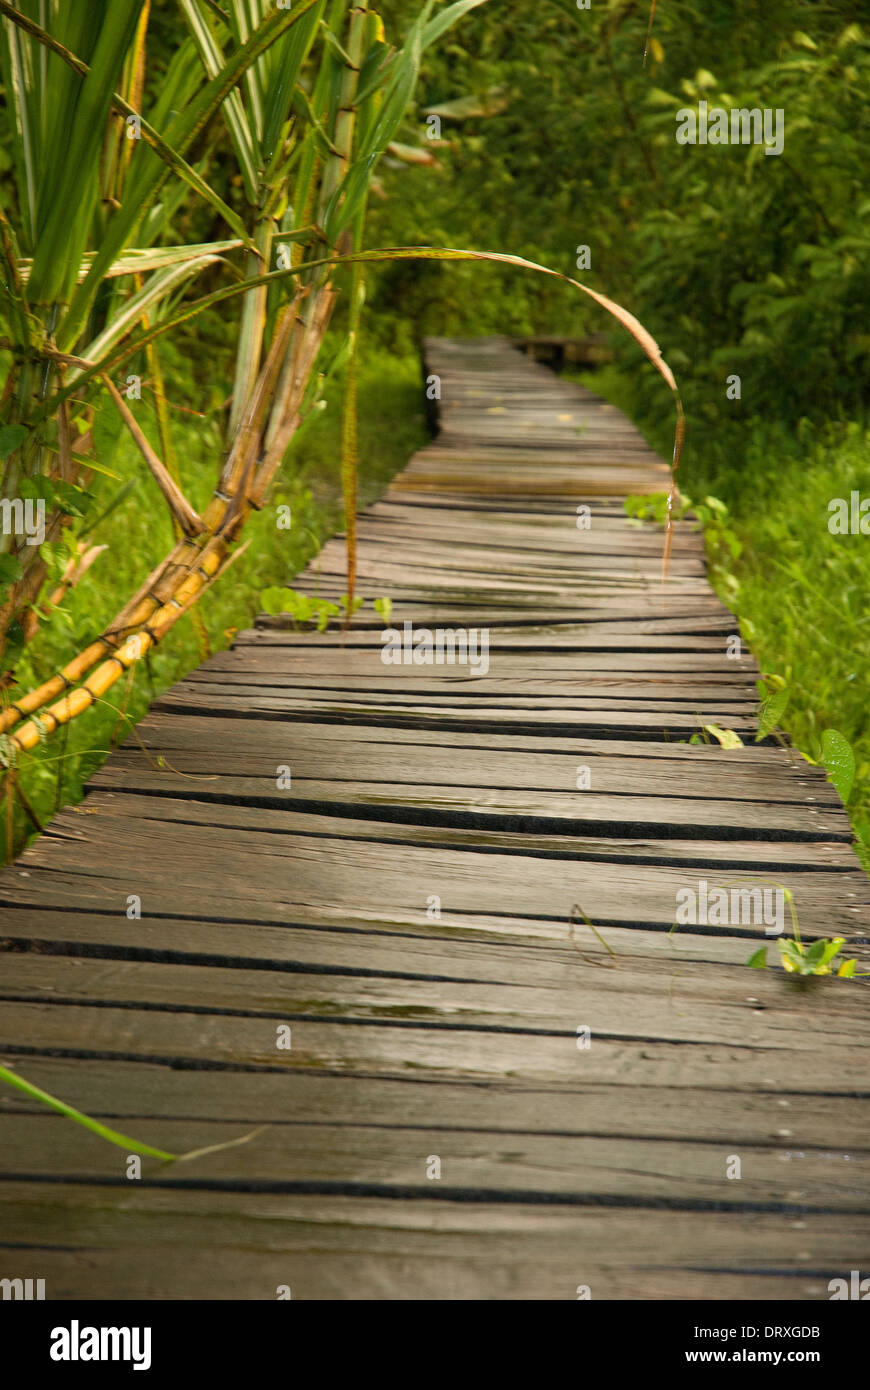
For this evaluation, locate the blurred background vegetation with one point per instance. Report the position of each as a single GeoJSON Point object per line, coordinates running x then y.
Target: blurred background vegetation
{"type": "Point", "coordinates": [554, 135]}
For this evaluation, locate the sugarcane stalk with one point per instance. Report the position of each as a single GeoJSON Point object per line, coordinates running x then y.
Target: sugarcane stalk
{"type": "Point", "coordinates": [214, 564]}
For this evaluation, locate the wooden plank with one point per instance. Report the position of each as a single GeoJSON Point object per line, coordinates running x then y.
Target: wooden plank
{"type": "Point", "coordinates": [532, 1167]}
{"type": "Point", "coordinates": [339, 740]}
{"type": "Point", "coordinates": [510, 809]}
{"type": "Point", "coordinates": [520, 666]}
{"type": "Point", "coordinates": [206, 746]}
{"type": "Point", "coordinates": [94, 872]}
{"type": "Point", "coordinates": [664, 721]}
{"type": "Point", "coordinates": [777, 1118]}
{"type": "Point", "coordinates": [405, 1047]}
{"type": "Point", "coordinates": [155, 1243]}
{"type": "Point", "coordinates": [700, 1008]}
{"type": "Point", "coordinates": [248, 805]}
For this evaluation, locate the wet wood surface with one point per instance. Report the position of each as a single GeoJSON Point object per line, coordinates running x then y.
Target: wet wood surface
{"type": "Point", "coordinates": [390, 951]}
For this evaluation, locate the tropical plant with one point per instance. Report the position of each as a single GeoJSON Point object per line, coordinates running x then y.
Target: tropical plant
{"type": "Point", "coordinates": [96, 273]}
{"type": "Point", "coordinates": [802, 961]}
{"type": "Point", "coordinates": [311, 95]}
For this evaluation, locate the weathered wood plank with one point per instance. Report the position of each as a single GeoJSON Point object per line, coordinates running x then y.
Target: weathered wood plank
{"type": "Point", "coordinates": [197, 1039]}
{"type": "Point", "coordinates": [139, 1242]}
{"type": "Point", "coordinates": [512, 809]}
{"type": "Point", "coordinates": [626, 1003]}
{"type": "Point", "coordinates": [94, 871]}
{"type": "Point", "coordinates": [777, 1117]}
{"type": "Point", "coordinates": [531, 1166]}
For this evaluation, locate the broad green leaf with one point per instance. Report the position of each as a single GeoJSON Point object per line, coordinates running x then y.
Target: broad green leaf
{"type": "Point", "coordinates": [815, 954]}
{"type": "Point", "coordinates": [758, 959]}
{"type": "Point", "coordinates": [771, 712]}
{"type": "Point", "coordinates": [839, 761]}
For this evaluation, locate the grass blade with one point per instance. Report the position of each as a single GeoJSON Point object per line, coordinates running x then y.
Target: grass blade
{"type": "Point", "coordinates": [122, 1141]}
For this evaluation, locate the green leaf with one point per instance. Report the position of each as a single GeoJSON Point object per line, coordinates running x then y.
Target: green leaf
{"type": "Point", "coordinates": [151, 137]}
{"type": "Point", "coordinates": [241, 131]}
{"type": "Point", "coordinates": [147, 173]}
{"type": "Point", "coordinates": [846, 970]}
{"type": "Point", "coordinates": [815, 953]}
{"type": "Point", "coordinates": [71, 500]}
{"type": "Point", "coordinates": [272, 599]}
{"type": "Point", "coordinates": [839, 761]}
{"type": "Point", "coordinates": [791, 949]}
{"type": "Point", "coordinates": [10, 570]}
{"type": "Point", "coordinates": [157, 288]}
{"type": "Point", "coordinates": [290, 53]}
{"type": "Point", "coordinates": [384, 609]}
{"type": "Point", "coordinates": [829, 950]}
{"type": "Point", "coordinates": [726, 737]}
{"type": "Point", "coordinates": [771, 712]}
{"type": "Point", "coordinates": [11, 438]}
{"type": "Point", "coordinates": [443, 21]}
{"type": "Point", "coordinates": [758, 959]}
{"type": "Point", "coordinates": [37, 487]}
{"type": "Point", "coordinates": [69, 185]}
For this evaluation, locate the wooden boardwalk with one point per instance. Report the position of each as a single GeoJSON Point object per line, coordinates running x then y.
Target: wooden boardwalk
{"type": "Point", "coordinates": [439, 1128]}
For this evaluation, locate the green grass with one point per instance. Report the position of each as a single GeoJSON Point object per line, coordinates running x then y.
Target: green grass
{"type": "Point", "coordinates": [800, 593]}
{"type": "Point", "coordinates": [391, 428]}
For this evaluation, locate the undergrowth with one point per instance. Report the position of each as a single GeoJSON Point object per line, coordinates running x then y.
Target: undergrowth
{"type": "Point", "coordinates": [799, 591]}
